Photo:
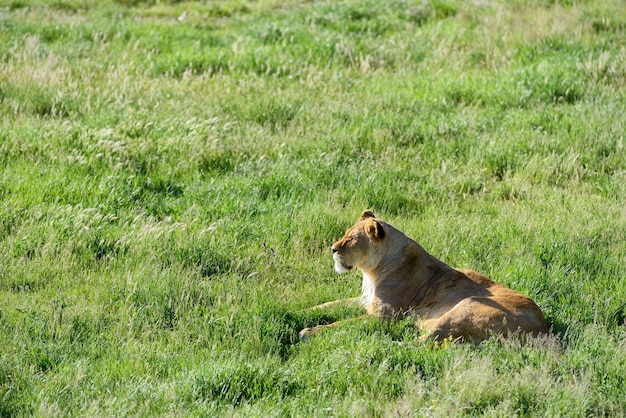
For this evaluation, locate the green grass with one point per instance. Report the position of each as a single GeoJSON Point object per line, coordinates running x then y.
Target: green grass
{"type": "Point", "coordinates": [170, 189]}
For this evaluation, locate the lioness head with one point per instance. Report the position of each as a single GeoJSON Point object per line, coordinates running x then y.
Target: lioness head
{"type": "Point", "coordinates": [360, 245]}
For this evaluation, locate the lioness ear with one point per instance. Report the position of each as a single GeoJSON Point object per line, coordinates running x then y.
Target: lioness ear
{"type": "Point", "coordinates": [367, 214]}
{"type": "Point", "coordinates": [374, 229]}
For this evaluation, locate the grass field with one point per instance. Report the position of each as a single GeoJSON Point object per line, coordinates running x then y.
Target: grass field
{"type": "Point", "coordinates": [172, 175]}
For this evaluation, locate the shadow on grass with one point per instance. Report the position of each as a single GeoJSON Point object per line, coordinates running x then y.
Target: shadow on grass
{"type": "Point", "coordinates": [557, 327]}
{"type": "Point", "coordinates": [280, 327]}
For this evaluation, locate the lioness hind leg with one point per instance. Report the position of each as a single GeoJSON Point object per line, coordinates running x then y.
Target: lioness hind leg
{"type": "Point", "coordinates": [447, 327]}
{"type": "Point", "coordinates": [440, 334]}
{"type": "Point", "coordinates": [478, 318]}
{"type": "Point", "coordinates": [471, 320]}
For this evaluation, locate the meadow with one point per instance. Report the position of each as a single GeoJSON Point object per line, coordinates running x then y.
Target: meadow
{"type": "Point", "coordinates": [173, 174]}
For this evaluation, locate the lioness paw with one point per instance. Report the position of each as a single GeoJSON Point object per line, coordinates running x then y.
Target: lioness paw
{"type": "Point", "coordinates": [306, 333]}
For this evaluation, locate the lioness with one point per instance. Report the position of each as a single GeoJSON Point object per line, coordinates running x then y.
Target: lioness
{"type": "Point", "coordinates": [400, 277]}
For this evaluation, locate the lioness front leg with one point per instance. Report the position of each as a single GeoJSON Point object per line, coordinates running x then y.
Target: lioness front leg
{"type": "Point", "coordinates": [341, 302]}
{"type": "Point", "coordinates": [309, 332]}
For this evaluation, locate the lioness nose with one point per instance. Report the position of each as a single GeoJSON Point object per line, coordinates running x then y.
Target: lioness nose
{"type": "Point", "coordinates": [333, 249]}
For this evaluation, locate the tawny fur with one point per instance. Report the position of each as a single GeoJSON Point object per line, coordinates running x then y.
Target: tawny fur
{"type": "Point", "coordinates": [400, 277]}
